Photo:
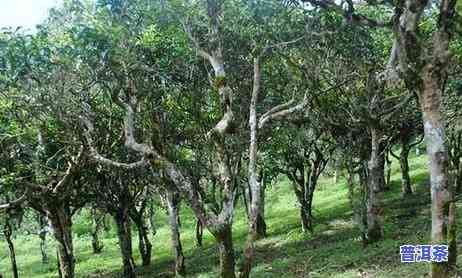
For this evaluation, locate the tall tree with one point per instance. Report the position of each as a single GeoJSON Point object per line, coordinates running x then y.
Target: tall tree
{"type": "Point", "coordinates": [421, 61]}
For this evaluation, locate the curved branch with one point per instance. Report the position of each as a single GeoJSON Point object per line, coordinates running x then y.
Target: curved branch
{"type": "Point", "coordinates": [14, 203]}
{"type": "Point", "coordinates": [417, 142]}
{"type": "Point", "coordinates": [281, 113]}
{"type": "Point", "coordinates": [96, 156]}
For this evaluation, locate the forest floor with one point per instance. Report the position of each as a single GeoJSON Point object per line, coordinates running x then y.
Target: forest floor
{"type": "Point", "coordinates": [333, 250]}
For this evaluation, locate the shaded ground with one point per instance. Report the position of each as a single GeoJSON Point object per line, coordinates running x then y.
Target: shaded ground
{"type": "Point", "coordinates": [333, 250]}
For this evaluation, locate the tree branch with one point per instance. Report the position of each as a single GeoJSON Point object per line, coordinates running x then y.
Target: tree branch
{"type": "Point", "coordinates": [94, 154]}
{"type": "Point", "coordinates": [14, 203]}
{"type": "Point", "coordinates": [349, 13]}
{"type": "Point", "coordinates": [281, 113]}
{"type": "Point", "coordinates": [389, 111]}
{"type": "Point", "coordinates": [417, 142]}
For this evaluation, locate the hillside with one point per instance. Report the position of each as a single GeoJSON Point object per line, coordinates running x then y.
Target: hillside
{"type": "Point", "coordinates": [333, 250]}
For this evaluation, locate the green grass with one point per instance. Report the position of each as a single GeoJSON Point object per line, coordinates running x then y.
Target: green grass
{"type": "Point", "coordinates": [333, 250]}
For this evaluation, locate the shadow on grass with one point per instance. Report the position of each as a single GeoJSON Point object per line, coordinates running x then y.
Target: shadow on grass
{"type": "Point", "coordinates": [334, 250]}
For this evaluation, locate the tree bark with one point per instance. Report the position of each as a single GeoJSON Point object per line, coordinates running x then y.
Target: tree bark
{"type": "Point", "coordinates": [357, 197]}
{"type": "Point", "coordinates": [406, 188]}
{"type": "Point", "coordinates": [458, 179]}
{"type": "Point", "coordinates": [125, 242]}
{"type": "Point", "coordinates": [304, 186]}
{"type": "Point", "coordinates": [261, 223]}
{"type": "Point", "coordinates": [152, 222]}
{"type": "Point", "coordinates": [388, 171]}
{"type": "Point", "coordinates": [452, 237]}
{"type": "Point", "coordinates": [7, 232]}
{"type": "Point", "coordinates": [144, 244]}
{"type": "Point", "coordinates": [224, 238]}
{"type": "Point", "coordinates": [260, 219]}
{"type": "Point", "coordinates": [199, 233]}
{"type": "Point", "coordinates": [98, 220]}
{"type": "Point", "coordinates": [61, 222]}
{"type": "Point", "coordinates": [375, 186]}
{"type": "Point", "coordinates": [351, 184]}
{"type": "Point", "coordinates": [337, 171]}
{"type": "Point", "coordinates": [425, 70]}
{"type": "Point", "coordinates": [255, 193]}
{"type": "Point", "coordinates": [174, 221]}
{"type": "Point", "coordinates": [43, 223]}
{"type": "Point", "coordinates": [363, 198]}
{"type": "Point", "coordinates": [301, 194]}
{"type": "Point", "coordinates": [441, 193]}
{"type": "Point", "coordinates": [305, 217]}
{"type": "Point", "coordinates": [96, 244]}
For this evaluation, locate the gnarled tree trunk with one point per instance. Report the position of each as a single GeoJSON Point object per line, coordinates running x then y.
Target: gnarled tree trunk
{"type": "Point", "coordinates": [144, 245]}
{"type": "Point", "coordinates": [173, 200]}
{"type": "Point", "coordinates": [125, 242]}
{"type": "Point", "coordinates": [61, 223]}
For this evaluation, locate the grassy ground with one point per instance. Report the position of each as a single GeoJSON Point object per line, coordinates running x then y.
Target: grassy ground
{"type": "Point", "coordinates": [333, 250]}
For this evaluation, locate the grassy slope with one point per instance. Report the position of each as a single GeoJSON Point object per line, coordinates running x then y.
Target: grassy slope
{"type": "Point", "coordinates": [334, 250]}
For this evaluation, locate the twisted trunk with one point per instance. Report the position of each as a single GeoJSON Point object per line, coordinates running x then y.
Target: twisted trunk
{"type": "Point", "coordinates": [304, 186]}
{"type": "Point", "coordinates": [125, 242]}
{"type": "Point", "coordinates": [144, 244]}
{"type": "Point", "coordinates": [61, 223]}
